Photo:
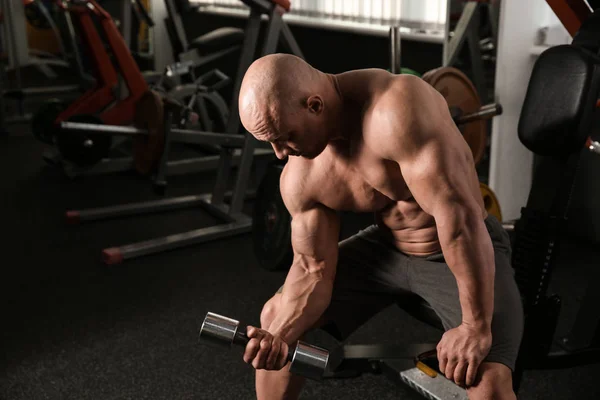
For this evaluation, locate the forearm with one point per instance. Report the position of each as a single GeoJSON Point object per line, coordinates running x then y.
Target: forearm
{"type": "Point", "coordinates": [469, 253]}
{"type": "Point", "coordinates": [305, 297]}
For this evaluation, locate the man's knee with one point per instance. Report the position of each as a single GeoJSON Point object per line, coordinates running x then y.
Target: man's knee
{"type": "Point", "coordinates": [494, 383]}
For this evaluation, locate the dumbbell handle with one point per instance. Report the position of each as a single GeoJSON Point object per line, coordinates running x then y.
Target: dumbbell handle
{"type": "Point", "coordinates": [485, 112]}
{"type": "Point", "coordinates": [242, 339]}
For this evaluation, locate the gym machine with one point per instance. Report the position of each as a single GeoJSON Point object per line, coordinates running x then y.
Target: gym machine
{"type": "Point", "coordinates": [90, 157]}
{"type": "Point", "coordinates": [193, 102]}
{"type": "Point", "coordinates": [581, 345]}
{"type": "Point", "coordinates": [234, 222]}
{"type": "Point", "coordinates": [80, 155]}
{"type": "Point", "coordinates": [210, 47]}
{"type": "Point", "coordinates": [20, 56]}
{"type": "Point", "coordinates": [110, 100]}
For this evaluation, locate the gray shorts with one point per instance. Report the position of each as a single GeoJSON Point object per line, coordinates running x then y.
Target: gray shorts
{"type": "Point", "coordinates": [373, 274]}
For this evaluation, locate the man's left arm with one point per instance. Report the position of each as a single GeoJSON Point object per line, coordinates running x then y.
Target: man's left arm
{"type": "Point", "coordinates": [438, 171]}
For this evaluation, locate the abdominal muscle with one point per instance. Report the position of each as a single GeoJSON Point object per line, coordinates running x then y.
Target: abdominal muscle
{"type": "Point", "coordinates": [411, 229]}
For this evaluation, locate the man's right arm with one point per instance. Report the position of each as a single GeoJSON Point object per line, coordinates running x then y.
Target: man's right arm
{"type": "Point", "coordinates": [307, 289]}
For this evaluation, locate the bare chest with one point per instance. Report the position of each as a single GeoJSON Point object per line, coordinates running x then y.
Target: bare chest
{"type": "Point", "coordinates": [360, 183]}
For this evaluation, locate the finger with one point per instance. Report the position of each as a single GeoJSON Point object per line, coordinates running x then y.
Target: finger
{"type": "Point", "coordinates": [254, 332]}
{"type": "Point", "coordinates": [273, 354]}
{"type": "Point", "coordinates": [442, 360]}
{"type": "Point", "coordinates": [251, 349]}
{"type": "Point", "coordinates": [260, 360]}
{"type": "Point", "coordinates": [459, 373]}
{"type": "Point", "coordinates": [450, 367]}
{"type": "Point", "coordinates": [472, 373]}
{"type": "Point", "coordinates": [251, 331]}
{"type": "Point", "coordinates": [282, 360]}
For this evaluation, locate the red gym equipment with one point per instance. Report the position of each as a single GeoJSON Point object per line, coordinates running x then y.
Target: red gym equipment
{"type": "Point", "coordinates": [106, 90]}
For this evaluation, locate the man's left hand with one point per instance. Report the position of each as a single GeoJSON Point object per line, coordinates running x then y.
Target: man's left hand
{"type": "Point", "coordinates": [461, 351]}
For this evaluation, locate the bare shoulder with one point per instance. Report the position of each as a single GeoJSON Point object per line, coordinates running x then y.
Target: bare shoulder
{"type": "Point", "coordinates": [295, 186]}
{"type": "Point", "coordinates": [408, 97]}
{"type": "Point", "coordinates": [408, 111]}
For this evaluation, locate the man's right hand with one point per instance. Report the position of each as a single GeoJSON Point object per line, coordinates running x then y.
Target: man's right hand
{"type": "Point", "coordinates": [264, 350]}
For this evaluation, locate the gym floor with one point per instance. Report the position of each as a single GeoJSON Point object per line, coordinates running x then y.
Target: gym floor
{"type": "Point", "coordinates": [73, 328]}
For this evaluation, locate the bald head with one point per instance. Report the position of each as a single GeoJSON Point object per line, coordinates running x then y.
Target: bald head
{"type": "Point", "coordinates": [274, 86]}
{"type": "Point", "coordinates": [282, 101]}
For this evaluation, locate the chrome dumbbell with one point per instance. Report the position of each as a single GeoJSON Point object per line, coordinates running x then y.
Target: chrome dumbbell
{"type": "Point", "coordinates": [306, 360]}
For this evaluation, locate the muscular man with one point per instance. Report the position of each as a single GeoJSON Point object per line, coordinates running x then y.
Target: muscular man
{"type": "Point", "coordinates": [365, 141]}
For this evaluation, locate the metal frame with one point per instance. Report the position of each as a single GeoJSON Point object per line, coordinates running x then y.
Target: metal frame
{"type": "Point", "coordinates": [395, 50]}
{"type": "Point", "coordinates": [233, 221]}
{"type": "Point", "coordinates": [121, 164]}
{"type": "Point", "coordinates": [467, 29]}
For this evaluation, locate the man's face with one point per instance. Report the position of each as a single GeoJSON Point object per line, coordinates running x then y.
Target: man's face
{"type": "Point", "coordinates": [300, 136]}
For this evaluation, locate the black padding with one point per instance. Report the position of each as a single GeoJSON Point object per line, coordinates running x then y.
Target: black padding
{"type": "Point", "coordinates": [555, 101]}
{"type": "Point", "coordinates": [218, 40]}
{"type": "Point", "coordinates": [588, 35]}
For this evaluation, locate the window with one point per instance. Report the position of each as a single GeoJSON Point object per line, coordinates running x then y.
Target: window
{"type": "Point", "coordinates": [380, 12]}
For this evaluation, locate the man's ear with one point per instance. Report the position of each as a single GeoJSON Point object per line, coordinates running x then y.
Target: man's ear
{"type": "Point", "coordinates": [315, 104]}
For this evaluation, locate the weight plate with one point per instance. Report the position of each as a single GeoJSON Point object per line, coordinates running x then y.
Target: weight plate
{"type": "Point", "coordinates": [149, 115]}
{"type": "Point", "coordinates": [462, 97]}
{"type": "Point", "coordinates": [83, 148]}
{"type": "Point", "coordinates": [271, 224]}
{"type": "Point", "coordinates": [490, 201]}
{"type": "Point", "coordinates": [42, 121]}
